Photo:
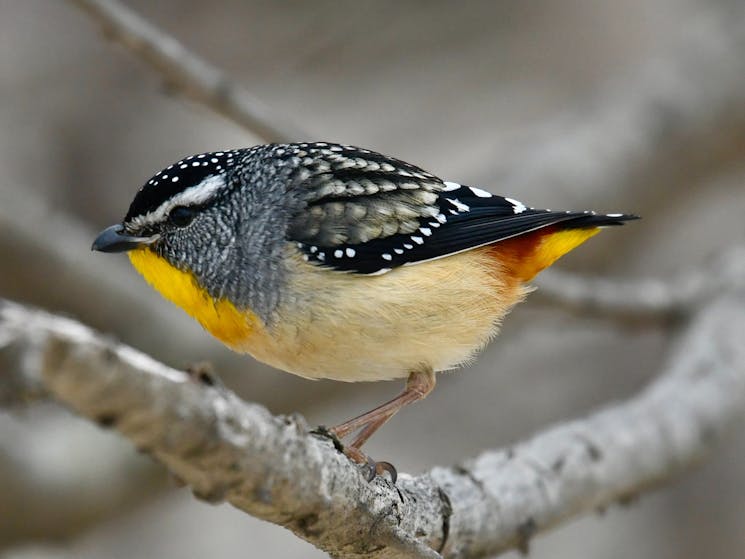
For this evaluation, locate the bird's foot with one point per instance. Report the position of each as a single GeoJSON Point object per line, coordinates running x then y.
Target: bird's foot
{"type": "Point", "coordinates": [371, 469]}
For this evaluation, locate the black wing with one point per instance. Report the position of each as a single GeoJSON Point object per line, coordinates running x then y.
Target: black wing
{"type": "Point", "coordinates": [380, 213]}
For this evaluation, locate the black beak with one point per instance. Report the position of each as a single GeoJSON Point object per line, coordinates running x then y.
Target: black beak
{"type": "Point", "coordinates": [113, 239]}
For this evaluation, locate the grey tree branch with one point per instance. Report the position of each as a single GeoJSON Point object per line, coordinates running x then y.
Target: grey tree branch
{"type": "Point", "coordinates": [193, 77]}
{"type": "Point", "coordinates": [227, 449]}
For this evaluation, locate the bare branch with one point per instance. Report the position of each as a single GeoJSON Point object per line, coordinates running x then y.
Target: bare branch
{"type": "Point", "coordinates": [272, 468]}
{"type": "Point", "coordinates": [193, 77]}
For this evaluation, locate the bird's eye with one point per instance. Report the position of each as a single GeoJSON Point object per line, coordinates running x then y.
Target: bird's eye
{"type": "Point", "coordinates": [181, 216]}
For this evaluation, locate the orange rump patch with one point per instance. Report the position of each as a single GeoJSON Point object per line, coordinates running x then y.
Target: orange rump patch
{"type": "Point", "coordinates": [527, 255]}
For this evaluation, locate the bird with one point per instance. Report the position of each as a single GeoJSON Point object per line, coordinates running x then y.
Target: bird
{"type": "Point", "coordinates": [331, 261]}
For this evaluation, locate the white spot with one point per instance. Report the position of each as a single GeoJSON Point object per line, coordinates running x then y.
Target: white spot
{"type": "Point", "coordinates": [351, 252]}
{"type": "Point", "coordinates": [174, 179]}
{"type": "Point", "coordinates": [408, 246]}
{"type": "Point", "coordinates": [313, 249]}
{"type": "Point", "coordinates": [517, 206]}
{"type": "Point", "coordinates": [183, 166]}
{"type": "Point", "coordinates": [201, 156]}
{"type": "Point", "coordinates": [451, 186]}
{"type": "Point", "coordinates": [338, 253]}
{"type": "Point", "coordinates": [433, 223]}
{"type": "Point", "coordinates": [164, 176]}
{"type": "Point", "coordinates": [480, 193]}
{"type": "Point", "coordinates": [613, 215]}
{"type": "Point", "coordinates": [425, 231]}
{"type": "Point", "coordinates": [219, 153]}
{"type": "Point", "coordinates": [321, 256]}
{"type": "Point", "coordinates": [214, 160]}
{"type": "Point", "coordinates": [461, 207]}
{"type": "Point", "coordinates": [195, 164]}
{"type": "Point", "coordinates": [453, 212]}
{"type": "Point", "coordinates": [306, 257]}
{"type": "Point", "coordinates": [386, 256]}
{"type": "Point", "coordinates": [398, 250]}
{"type": "Point", "coordinates": [417, 240]}
{"type": "Point", "coordinates": [380, 272]}
{"type": "Point", "coordinates": [441, 218]}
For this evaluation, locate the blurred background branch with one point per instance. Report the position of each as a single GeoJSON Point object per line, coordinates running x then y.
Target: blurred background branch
{"type": "Point", "coordinates": [188, 74]}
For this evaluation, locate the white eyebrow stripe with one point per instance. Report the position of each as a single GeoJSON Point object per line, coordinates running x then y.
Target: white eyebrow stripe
{"type": "Point", "coordinates": [192, 196]}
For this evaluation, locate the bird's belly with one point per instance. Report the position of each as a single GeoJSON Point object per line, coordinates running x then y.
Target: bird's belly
{"type": "Point", "coordinates": [364, 328]}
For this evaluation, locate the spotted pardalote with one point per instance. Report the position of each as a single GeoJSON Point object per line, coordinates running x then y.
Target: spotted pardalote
{"type": "Point", "coordinates": [331, 261]}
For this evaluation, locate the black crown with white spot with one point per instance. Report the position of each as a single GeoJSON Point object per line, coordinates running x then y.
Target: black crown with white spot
{"type": "Point", "coordinates": [177, 177]}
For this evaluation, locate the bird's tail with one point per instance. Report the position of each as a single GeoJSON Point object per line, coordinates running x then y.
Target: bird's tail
{"type": "Point", "coordinates": [527, 255]}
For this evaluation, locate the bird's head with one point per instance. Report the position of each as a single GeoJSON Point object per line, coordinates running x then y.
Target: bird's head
{"type": "Point", "coordinates": [205, 220]}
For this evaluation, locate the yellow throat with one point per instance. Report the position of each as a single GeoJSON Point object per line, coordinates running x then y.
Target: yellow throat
{"type": "Point", "coordinates": [219, 317]}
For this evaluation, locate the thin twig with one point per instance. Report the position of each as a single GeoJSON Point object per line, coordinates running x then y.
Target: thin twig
{"type": "Point", "coordinates": [193, 77]}
{"type": "Point", "coordinates": [268, 466]}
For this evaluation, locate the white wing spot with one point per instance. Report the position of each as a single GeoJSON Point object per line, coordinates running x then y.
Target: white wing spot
{"type": "Point", "coordinates": [313, 249]}
{"type": "Point", "coordinates": [387, 256]}
{"type": "Point", "coordinates": [351, 252]}
{"type": "Point", "coordinates": [517, 206]}
{"type": "Point", "coordinates": [613, 215]}
{"type": "Point", "coordinates": [441, 218]}
{"type": "Point", "coordinates": [425, 231]}
{"type": "Point", "coordinates": [380, 272]}
{"type": "Point", "coordinates": [408, 246]}
{"type": "Point", "coordinates": [450, 186]}
{"type": "Point", "coordinates": [338, 253]}
{"type": "Point", "coordinates": [460, 206]}
{"type": "Point", "coordinates": [418, 240]}
{"type": "Point", "coordinates": [398, 250]}
{"type": "Point", "coordinates": [174, 179]}
{"type": "Point", "coordinates": [480, 193]}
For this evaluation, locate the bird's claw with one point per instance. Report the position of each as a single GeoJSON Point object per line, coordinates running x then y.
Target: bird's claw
{"type": "Point", "coordinates": [371, 468]}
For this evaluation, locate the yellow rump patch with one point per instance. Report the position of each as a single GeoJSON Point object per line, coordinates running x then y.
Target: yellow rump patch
{"type": "Point", "coordinates": [219, 317]}
{"type": "Point", "coordinates": [550, 248]}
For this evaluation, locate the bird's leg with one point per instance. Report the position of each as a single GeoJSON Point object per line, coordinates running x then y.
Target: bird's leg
{"type": "Point", "coordinates": [418, 385]}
